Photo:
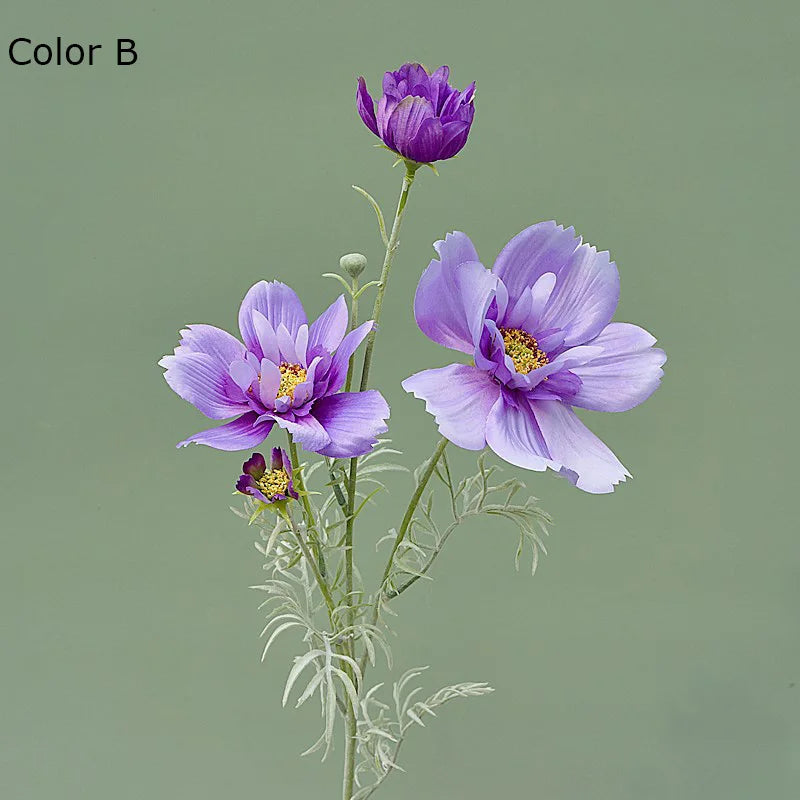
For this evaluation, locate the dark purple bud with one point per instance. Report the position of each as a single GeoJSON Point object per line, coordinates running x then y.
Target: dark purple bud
{"type": "Point", "coordinates": [420, 116]}
{"type": "Point", "coordinates": [268, 486]}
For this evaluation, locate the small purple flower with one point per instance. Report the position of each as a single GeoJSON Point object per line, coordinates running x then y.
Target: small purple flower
{"type": "Point", "coordinates": [267, 485]}
{"type": "Point", "coordinates": [287, 372]}
{"type": "Point", "coordinates": [420, 116]}
{"type": "Point", "coordinates": [538, 326]}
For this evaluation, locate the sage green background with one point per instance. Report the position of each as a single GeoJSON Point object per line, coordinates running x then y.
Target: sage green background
{"type": "Point", "coordinates": [655, 654]}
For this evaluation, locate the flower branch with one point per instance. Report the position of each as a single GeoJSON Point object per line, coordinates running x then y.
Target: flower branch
{"type": "Point", "coordinates": [538, 332]}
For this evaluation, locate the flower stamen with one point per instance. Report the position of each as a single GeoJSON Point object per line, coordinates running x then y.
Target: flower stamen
{"type": "Point", "coordinates": [292, 375]}
{"type": "Point", "coordinates": [523, 350]}
{"type": "Point", "coordinates": [274, 484]}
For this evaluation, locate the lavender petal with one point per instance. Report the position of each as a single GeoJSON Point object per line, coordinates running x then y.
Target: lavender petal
{"type": "Point", "coordinates": [306, 431]}
{"type": "Point", "coordinates": [451, 302]}
{"type": "Point", "coordinates": [201, 380]}
{"type": "Point", "coordinates": [544, 247]}
{"type": "Point", "coordinates": [460, 398]}
{"type": "Point", "coordinates": [625, 375]}
{"type": "Point", "coordinates": [238, 434]}
{"type": "Point", "coordinates": [215, 342]}
{"type": "Point", "coordinates": [277, 302]}
{"type": "Point", "coordinates": [328, 330]}
{"type": "Point", "coordinates": [585, 461]}
{"type": "Point", "coordinates": [353, 421]}
{"type": "Point", "coordinates": [585, 296]}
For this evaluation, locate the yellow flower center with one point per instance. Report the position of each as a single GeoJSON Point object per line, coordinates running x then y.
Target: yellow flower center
{"type": "Point", "coordinates": [274, 483]}
{"type": "Point", "coordinates": [523, 350]}
{"type": "Point", "coordinates": [291, 376]}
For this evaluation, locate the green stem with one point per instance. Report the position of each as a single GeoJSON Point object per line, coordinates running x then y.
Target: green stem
{"type": "Point", "coordinates": [403, 530]}
{"type": "Point", "coordinates": [391, 248]}
{"type": "Point", "coordinates": [297, 476]}
{"type": "Point", "coordinates": [412, 507]}
{"type": "Point", "coordinates": [390, 595]}
{"type": "Point", "coordinates": [321, 582]}
{"type": "Point", "coordinates": [350, 507]}
{"type": "Point", "coordinates": [351, 728]}
{"type": "Point", "coordinates": [353, 325]}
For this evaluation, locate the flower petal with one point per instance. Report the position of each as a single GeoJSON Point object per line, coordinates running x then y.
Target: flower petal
{"type": "Point", "coordinates": [246, 485]}
{"type": "Point", "coordinates": [427, 144]}
{"type": "Point", "coordinates": [454, 137]}
{"type": "Point", "coordinates": [338, 368]}
{"type": "Point", "coordinates": [460, 398]}
{"type": "Point", "coordinates": [386, 106]}
{"type": "Point", "coordinates": [213, 341]}
{"type": "Point", "coordinates": [280, 460]}
{"type": "Point", "coordinates": [243, 373]}
{"type": "Point", "coordinates": [562, 385]}
{"type": "Point", "coordinates": [455, 249]}
{"type": "Point", "coordinates": [438, 87]}
{"type": "Point", "coordinates": [544, 247]}
{"type": "Point", "coordinates": [451, 302]}
{"type": "Point", "coordinates": [287, 345]}
{"type": "Point", "coordinates": [366, 106]}
{"type": "Point", "coordinates": [238, 434]}
{"type": "Point", "coordinates": [512, 432]}
{"type": "Point", "coordinates": [265, 337]}
{"type": "Point", "coordinates": [305, 390]}
{"type": "Point", "coordinates": [517, 314]}
{"type": "Point", "coordinates": [353, 421]}
{"type": "Point", "coordinates": [269, 383]}
{"type": "Point", "coordinates": [405, 122]}
{"type": "Point", "coordinates": [301, 345]}
{"type": "Point", "coordinates": [575, 356]}
{"type": "Point", "coordinates": [278, 303]}
{"type": "Point", "coordinates": [627, 372]}
{"type": "Point", "coordinates": [585, 296]}
{"type": "Point", "coordinates": [329, 328]}
{"type": "Point", "coordinates": [307, 432]}
{"type": "Point", "coordinates": [585, 461]}
{"type": "Point", "coordinates": [203, 381]}
{"type": "Point", "coordinates": [255, 466]}
{"type": "Point", "coordinates": [540, 294]}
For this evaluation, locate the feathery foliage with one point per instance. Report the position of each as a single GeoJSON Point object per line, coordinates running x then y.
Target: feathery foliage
{"type": "Point", "coordinates": [340, 640]}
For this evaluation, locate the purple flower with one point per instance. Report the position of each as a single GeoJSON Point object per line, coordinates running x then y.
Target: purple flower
{"type": "Point", "coordinates": [267, 485]}
{"type": "Point", "coordinates": [287, 372]}
{"type": "Point", "coordinates": [420, 116]}
{"type": "Point", "coordinates": [538, 326]}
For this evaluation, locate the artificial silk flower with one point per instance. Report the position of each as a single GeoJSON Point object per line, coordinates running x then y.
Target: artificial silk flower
{"type": "Point", "coordinates": [272, 485]}
{"type": "Point", "coordinates": [538, 326]}
{"type": "Point", "coordinates": [287, 372]}
{"type": "Point", "coordinates": [420, 116]}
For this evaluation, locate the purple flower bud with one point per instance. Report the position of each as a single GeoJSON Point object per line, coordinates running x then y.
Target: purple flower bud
{"type": "Point", "coordinates": [267, 485]}
{"type": "Point", "coordinates": [420, 116]}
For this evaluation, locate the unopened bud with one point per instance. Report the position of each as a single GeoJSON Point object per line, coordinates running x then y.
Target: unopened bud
{"type": "Point", "coordinates": [353, 264]}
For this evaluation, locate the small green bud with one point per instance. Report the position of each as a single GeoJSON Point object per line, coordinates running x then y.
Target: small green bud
{"type": "Point", "coordinates": [353, 264]}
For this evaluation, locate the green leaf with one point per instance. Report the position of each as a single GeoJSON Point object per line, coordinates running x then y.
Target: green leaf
{"type": "Point", "coordinates": [341, 280]}
{"type": "Point", "coordinates": [364, 288]}
{"type": "Point", "coordinates": [378, 213]}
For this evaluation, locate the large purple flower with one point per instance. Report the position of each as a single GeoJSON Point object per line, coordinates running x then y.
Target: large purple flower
{"type": "Point", "coordinates": [287, 372]}
{"type": "Point", "coordinates": [538, 326]}
{"type": "Point", "coordinates": [420, 116]}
